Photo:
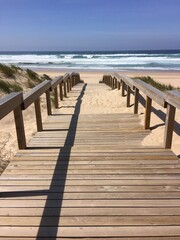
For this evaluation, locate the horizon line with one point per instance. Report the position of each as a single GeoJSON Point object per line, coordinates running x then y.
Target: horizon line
{"type": "Point", "coordinates": [142, 50]}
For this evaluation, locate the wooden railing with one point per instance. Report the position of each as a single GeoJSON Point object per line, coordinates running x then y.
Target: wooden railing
{"type": "Point", "coordinates": [17, 102]}
{"type": "Point", "coordinates": [169, 100]}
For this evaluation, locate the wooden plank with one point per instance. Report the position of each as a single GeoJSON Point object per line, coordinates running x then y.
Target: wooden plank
{"type": "Point", "coordinates": [90, 188]}
{"type": "Point", "coordinates": [114, 211]}
{"type": "Point", "coordinates": [92, 221]}
{"type": "Point", "coordinates": [92, 231]}
{"type": "Point", "coordinates": [43, 195]}
{"type": "Point", "coordinates": [92, 203]}
{"type": "Point", "coordinates": [91, 182]}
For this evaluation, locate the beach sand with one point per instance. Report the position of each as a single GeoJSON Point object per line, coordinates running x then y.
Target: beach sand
{"type": "Point", "coordinates": [110, 101]}
{"type": "Point", "coordinates": [103, 100]}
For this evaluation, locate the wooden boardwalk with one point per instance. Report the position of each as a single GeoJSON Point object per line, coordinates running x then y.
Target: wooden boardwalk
{"type": "Point", "coordinates": [89, 177]}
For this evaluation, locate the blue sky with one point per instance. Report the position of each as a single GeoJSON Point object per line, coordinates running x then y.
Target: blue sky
{"type": "Point", "coordinates": [53, 25]}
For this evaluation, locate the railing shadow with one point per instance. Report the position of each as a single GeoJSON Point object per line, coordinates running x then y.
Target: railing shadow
{"type": "Point", "coordinates": [159, 114]}
{"type": "Point", "coordinates": [57, 186]}
{"type": "Point", "coordinates": [59, 195]}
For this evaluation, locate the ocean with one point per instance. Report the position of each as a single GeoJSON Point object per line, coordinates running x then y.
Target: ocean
{"type": "Point", "coordinates": [109, 60]}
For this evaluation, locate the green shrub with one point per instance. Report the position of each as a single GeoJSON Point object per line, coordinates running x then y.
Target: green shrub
{"type": "Point", "coordinates": [16, 68]}
{"type": "Point", "coordinates": [33, 78]}
{"type": "Point", "coordinates": [16, 87]}
{"type": "Point", "coordinates": [160, 86]}
{"type": "Point", "coordinates": [7, 71]}
{"type": "Point", "coordinates": [7, 87]}
{"type": "Point", "coordinates": [46, 77]}
{"type": "Point", "coordinates": [31, 74]}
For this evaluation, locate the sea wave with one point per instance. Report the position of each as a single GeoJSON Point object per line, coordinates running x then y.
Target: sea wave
{"type": "Point", "coordinates": [94, 60]}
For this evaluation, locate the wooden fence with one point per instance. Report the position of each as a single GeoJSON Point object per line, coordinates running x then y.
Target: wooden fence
{"type": "Point", "coordinates": [17, 102]}
{"type": "Point", "coordinates": [169, 100]}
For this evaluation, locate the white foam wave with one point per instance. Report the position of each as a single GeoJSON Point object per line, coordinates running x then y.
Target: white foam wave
{"type": "Point", "coordinates": [94, 61]}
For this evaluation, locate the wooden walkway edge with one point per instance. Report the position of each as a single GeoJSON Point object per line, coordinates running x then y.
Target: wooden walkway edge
{"type": "Point", "coordinates": [87, 176]}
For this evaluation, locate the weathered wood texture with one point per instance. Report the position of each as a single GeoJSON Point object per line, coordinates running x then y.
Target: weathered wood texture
{"type": "Point", "coordinates": [9, 103]}
{"type": "Point", "coordinates": [170, 99]}
{"type": "Point", "coordinates": [89, 177]}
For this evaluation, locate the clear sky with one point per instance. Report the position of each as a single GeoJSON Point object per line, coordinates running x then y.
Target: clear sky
{"type": "Point", "coordinates": [53, 25]}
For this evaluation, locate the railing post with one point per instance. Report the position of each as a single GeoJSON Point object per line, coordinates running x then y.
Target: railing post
{"type": "Point", "coordinates": [136, 100]}
{"type": "Point", "coordinates": [56, 98]}
{"type": "Point", "coordinates": [72, 81]}
{"type": "Point", "coordinates": [68, 85]}
{"type": "Point", "coordinates": [116, 84]}
{"type": "Point", "coordinates": [48, 102]}
{"type": "Point", "coordinates": [38, 115]}
{"type": "Point", "coordinates": [147, 112]}
{"type": "Point", "coordinates": [61, 91]}
{"type": "Point", "coordinates": [119, 85]}
{"type": "Point", "coordinates": [169, 124]}
{"type": "Point", "coordinates": [123, 88]}
{"type": "Point", "coordinates": [128, 96]}
{"type": "Point", "coordinates": [65, 91]}
{"type": "Point", "coordinates": [113, 83]}
{"type": "Point", "coordinates": [19, 123]}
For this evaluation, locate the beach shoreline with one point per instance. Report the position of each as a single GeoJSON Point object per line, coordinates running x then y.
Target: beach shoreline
{"type": "Point", "coordinates": [163, 76]}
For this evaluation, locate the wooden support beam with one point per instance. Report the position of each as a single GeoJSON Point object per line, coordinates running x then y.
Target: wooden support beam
{"type": "Point", "coordinates": [128, 96]}
{"type": "Point", "coordinates": [123, 88]}
{"type": "Point", "coordinates": [119, 85]}
{"type": "Point", "coordinates": [48, 102]}
{"type": "Point", "coordinates": [136, 100]}
{"type": "Point", "coordinates": [116, 83]}
{"type": "Point", "coordinates": [169, 125]}
{"type": "Point", "coordinates": [56, 98]}
{"type": "Point", "coordinates": [38, 115]}
{"type": "Point", "coordinates": [65, 89]}
{"type": "Point", "coordinates": [147, 112]}
{"type": "Point", "coordinates": [19, 123]}
{"type": "Point", "coordinates": [61, 91]}
{"type": "Point", "coordinates": [68, 85]}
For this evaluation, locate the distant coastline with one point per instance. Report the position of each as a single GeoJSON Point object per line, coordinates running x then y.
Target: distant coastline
{"type": "Point", "coordinates": [155, 60]}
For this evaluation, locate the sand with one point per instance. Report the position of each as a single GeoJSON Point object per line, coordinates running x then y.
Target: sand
{"type": "Point", "coordinates": [103, 100]}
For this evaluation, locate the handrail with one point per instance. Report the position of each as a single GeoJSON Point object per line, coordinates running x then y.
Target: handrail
{"type": "Point", "coordinates": [152, 92]}
{"type": "Point", "coordinates": [55, 82]}
{"type": "Point", "coordinates": [13, 102]}
{"type": "Point", "coordinates": [35, 93]}
{"type": "Point", "coordinates": [18, 101]}
{"type": "Point", "coordinates": [10, 102]}
{"type": "Point", "coordinates": [169, 100]}
{"type": "Point", "coordinates": [173, 98]}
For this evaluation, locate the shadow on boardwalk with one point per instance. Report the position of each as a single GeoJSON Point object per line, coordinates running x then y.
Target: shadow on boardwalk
{"type": "Point", "coordinates": [69, 142]}
{"type": "Point", "coordinates": [55, 192]}
{"type": "Point", "coordinates": [161, 115]}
